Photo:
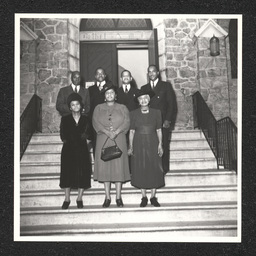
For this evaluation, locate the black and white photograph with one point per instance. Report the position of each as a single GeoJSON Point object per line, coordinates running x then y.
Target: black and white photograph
{"type": "Point", "coordinates": [128, 127]}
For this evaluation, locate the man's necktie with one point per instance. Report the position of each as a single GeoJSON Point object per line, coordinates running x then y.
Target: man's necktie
{"type": "Point", "coordinates": [126, 89]}
{"type": "Point", "coordinates": [76, 89]}
{"type": "Point", "coordinates": [100, 86]}
{"type": "Point", "coordinates": [152, 84]}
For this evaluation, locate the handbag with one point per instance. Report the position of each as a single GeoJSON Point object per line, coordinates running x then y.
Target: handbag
{"type": "Point", "coordinates": [111, 152]}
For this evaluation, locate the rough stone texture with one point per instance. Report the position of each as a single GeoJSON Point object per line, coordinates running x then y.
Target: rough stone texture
{"type": "Point", "coordinates": [27, 72]}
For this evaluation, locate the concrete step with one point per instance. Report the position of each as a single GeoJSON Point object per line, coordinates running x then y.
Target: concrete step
{"type": "Point", "coordinates": [193, 163]}
{"type": "Point", "coordinates": [184, 143]}
{"type": "Point", "coordinates": [156, 232]}
{"type": "Point", "coordinates": [198, 211]}
{"type": "Point", "coordinates": [182, 153]}
{"type": "Point", "coordinates": [44, 146]}
{"type": "Point", "coordinates": [130, 195]}
{"type": "Point", "coordinates": [50, 181]}
{"type": "Point", "coordinates": [46, 137]}
{"type": "Point", "coordinates": [186, 134]}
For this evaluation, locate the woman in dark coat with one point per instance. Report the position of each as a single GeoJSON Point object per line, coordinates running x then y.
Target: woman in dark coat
{"type": "Point", "coordinates": [75, 158]}
{"type": "Point", "coordinates": [145, 148]}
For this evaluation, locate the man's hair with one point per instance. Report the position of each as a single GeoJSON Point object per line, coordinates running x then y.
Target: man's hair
{"type": "Point", "coordinates": [126, 71]}
{"type": "Point", "coordinates": [73, 73]}
{"type": "Point", "coordinates": [98, 69]}
{"type": "Point", "coordinates": [153, 65]}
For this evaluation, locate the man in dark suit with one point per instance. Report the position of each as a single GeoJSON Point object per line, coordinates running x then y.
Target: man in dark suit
{"type": "Point", "coordinates": [96, 97]}
{"type": "Point", "coordinates": [126, 93]}
{"type": "Point", "coordinates": [61, 104]}
{"type": "Point", "coordinates": [94, 91]}
{"type": "Point", "coordinates": [164, 100]}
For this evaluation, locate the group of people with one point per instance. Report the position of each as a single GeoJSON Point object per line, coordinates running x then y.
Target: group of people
{"type": "Point", "coordinates": [137, 120]}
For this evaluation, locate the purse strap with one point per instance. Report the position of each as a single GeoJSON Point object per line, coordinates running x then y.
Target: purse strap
{"type": "Point", "coordinates": [106, 142]}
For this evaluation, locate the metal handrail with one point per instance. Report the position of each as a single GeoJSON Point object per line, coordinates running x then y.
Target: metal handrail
{"type": "Point", "coordinates": [30, 122]}
{"type": "Point", "coordinates": [221, 135]}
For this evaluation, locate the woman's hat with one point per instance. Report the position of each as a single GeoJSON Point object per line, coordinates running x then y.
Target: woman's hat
{"type": "Point", "coordinates": [74, 97]}
{"type": "Point", "coordinates": [107, 87]}
{"type": "Point", "coordinates": [141, 92]}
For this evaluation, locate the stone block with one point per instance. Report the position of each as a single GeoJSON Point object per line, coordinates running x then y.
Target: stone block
{"type": "Point", "coordinates": [180, 80]}
{"type": "Point", "coordinates": [50, 21]}
{"type": "Point", "coordinates": [59, 72]}
{"type": "Point", "coordinates": [192, 64]}
{"type": "Point", "coordinates": [23, 88]}
{"type": "Point", "coordinates": [42, 65]}
{"type": "Point", "coordinates": [171, 73]}
{"type": "Point", "coordinates": [31, 88]}
{"type": "Point", "coordinates": [54, 38]}
{"type": "Point", "coordinates": [53, 80]}
{"type": "Point", "coordinates": [188, 85]}
{"type": "Point", "coordinates": [32, 47]}
{"type": "Point", "coordinates": [74, 49]}
{"type": "Point", "coordinates": [64, 81]}
{"type": "Point", "coordinates": [180, 35]}
{"type": "Point", "coordinates": [172, 49]}
{"type": "Point", "coordinates": [65, 42]}
{"type": "Point", "coordinates": [177, 86]}
{"type": "Point", "coordinates": [44, 74]}
{"type": "Point", "coordinates": [169, 56]}
{"type": "Point", "coordinates": [24, 68]}
{"type": "Point", "coordinates": [45, 46]}
{"type": "Point", "coordinates": [186, 30]}
{"type": "Point", "coordinates": [160, 31]}
{"type": "Point", "coordinates": [61, 28]}
{"type": "Point", "coordinates": [74, 33]}
{"type": "Point", "coordinates": [74, 22]}
{"type": "Point", "coordinates": [162, 62]}
{"type": "Point", "coordinates": [186, 72]}
{"type": "Point", "coordinates": [191, 20]}
{"type": "Point", "coordinates": [40, 34]}
{"type": "Point", "coordinates": [39, 24]}
{"type": "Point", "coordinates": [171, 23]}
{"type": "Point", "coordinates": [32, 67]}
{"type": "Point", "coordinates": [163, 75]}
{"type": "Point", "coordinates": [57, 46]}
{"type": "Point", "coordinates": [24, 59]}
{"type": "Point", "coordinates": [183, 24]}
{"type": "Point", "coordinates": [191, 56]}
{"type": "Point", "coordinates": [179, 56]}
{"type": "Point", "coordinates": [205, 94]}
{"type": "Point", "coordinates": [213, 72]}
{"type": "Point", "coordinates": [172, 42]}
{"type": "Point", "coordinates": [173, 63]}
{"type": "Point", "coordinates": [203, 43]}
{"type": "Point", "coordinates": [187, 42]}
{"type": "Point", "coordinates": [161, 47]}
{"type": "Point", "coordinates": [48, 30]}
{"type": "Point", "coordinates": [169, 33]}
{"type": "Point", "coordinates": [53, 64]}
{"type": "Point", "coordinates": [64, 64]}
{"type": "Point", "coordinates": [73, 63]}
{"type": "Point", "coordinates": [60, 56]}
{"type": "Point", "coordinates": [202, 74]}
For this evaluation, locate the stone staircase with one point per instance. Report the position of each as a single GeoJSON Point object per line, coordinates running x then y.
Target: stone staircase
{"type": "Point", "coordinates": [198, 199]}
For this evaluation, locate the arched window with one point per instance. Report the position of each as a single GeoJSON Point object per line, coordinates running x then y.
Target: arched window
{"type": "Point", "coordinates": [115, 24]}
{"type": "Point", "coordinates": [233, 46]}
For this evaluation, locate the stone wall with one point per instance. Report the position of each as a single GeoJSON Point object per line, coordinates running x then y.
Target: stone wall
{"type": "Point", "coordinates": [27, 72]}
{"type": "Point", "coordinates": [181, 66]}
{"type": "Point", "coordinates": [51, 66]}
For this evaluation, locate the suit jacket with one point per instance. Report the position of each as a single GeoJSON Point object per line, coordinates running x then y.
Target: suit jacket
{"type": "Point", "coordinates": [96, 97]}
{"type": "Point", "coordinates": [127, 98]}
{"type": "Point", "coordinates": [61, 104]}
{"type": "Point", "coordinates": [164, 99]}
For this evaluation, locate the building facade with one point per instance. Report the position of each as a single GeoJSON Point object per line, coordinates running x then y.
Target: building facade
{"type": "Point", "coordinates": [178, 46]}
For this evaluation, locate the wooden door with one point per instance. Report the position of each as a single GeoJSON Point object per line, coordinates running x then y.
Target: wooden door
{"type": "Point", "coordinates": [95, 55]}
{"type": "Point", "coordinates": [153, 49]}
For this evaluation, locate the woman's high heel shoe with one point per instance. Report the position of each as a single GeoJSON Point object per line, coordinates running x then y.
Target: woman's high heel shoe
{"type": "Point", "coordinates": [119, 202]}
{"type": "Point", "coordinates": [106, 203]}
{"type": "Point", "coordinates": [65, 205]}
